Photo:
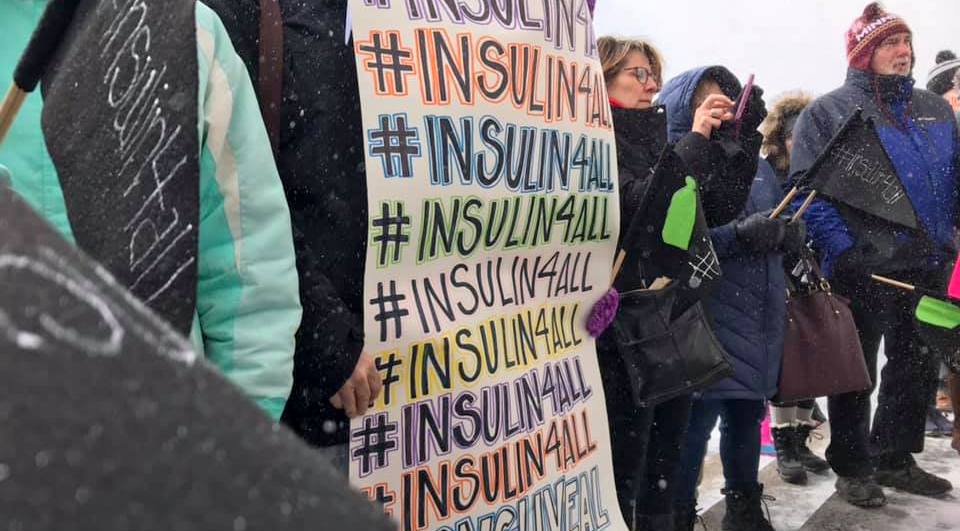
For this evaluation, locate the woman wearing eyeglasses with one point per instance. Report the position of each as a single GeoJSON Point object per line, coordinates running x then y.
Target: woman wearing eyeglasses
{"type": "Point", "coordinates": [647, 440]}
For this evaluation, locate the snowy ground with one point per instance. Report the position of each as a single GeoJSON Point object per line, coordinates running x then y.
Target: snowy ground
{"type": "Point", "coordinates": [814, 507]}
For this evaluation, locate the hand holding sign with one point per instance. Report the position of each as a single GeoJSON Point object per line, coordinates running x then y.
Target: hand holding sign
{"type": "Point", "coordinates": [363, 386]}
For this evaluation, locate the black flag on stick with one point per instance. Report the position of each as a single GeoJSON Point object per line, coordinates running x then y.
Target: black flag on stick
{"type": "Point", "coordinates": [110, 422]}
{"type": "Point", "coordinates": [854, 169]}
{"type": "Point", "coordinates": [120, 121]}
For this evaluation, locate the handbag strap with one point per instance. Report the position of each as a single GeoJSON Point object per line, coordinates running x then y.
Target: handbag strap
{"type": "Point", "coordinates": [816, 274]}
{"type": "Point", "coordinates": [270, 80]}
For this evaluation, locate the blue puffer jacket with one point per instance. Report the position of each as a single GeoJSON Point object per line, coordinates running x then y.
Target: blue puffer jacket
{"type": "Point", "coordinates": [748, 305]}
{"type": "Point", "coordinates": [924, 150]}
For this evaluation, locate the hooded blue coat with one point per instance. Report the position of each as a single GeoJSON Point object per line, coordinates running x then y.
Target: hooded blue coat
{"type": "Point", "coordinates": [748, 303]}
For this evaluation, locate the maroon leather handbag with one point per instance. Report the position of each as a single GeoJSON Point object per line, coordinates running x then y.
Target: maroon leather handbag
{"type": "Point", "coordinates": [822, 355]}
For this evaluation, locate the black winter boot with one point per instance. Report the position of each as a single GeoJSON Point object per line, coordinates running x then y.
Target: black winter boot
{"type": "Point", "coordinates": [745, 511]}
{"type": "Point", "coordinates": [810, 460]}
{"type": "Point", "coordinates": [862, 491]}
{"type": "Point", "coordinates": [788, 459]}
{"type": "Point", "coordinates": [685, 516]}
{"type": "Point", "coordinates": [914, 480]}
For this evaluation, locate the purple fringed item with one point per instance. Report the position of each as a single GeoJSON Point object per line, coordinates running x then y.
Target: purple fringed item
{"type": "Point", "coordinates": [603, 312]}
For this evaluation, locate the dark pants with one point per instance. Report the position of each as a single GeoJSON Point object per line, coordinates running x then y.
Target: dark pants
{"type": "Point", "coordinates": [908, 380]}
{"type": "Point", "coordinates": [646, 445]}
{"type": "Point", "coordinates": [739, 443]}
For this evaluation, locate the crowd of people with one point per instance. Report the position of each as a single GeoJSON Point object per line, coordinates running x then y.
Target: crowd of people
{"type": "Point", "coordinates": [283, 229]}
{"type": "Point", "coordinates": [757, 253]}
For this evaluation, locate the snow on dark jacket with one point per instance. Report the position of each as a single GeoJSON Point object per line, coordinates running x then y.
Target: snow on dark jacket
{"type": "Point", "coordinates": [321, 164]}
{"type": "Point", "coordinates": [748, 305]}
{"type": "Point", "coordinates": [725, 173]}
{"type": "Point", "coordinates": [641, 135]}
{"type": "Point", "coordinates": [919, 133]}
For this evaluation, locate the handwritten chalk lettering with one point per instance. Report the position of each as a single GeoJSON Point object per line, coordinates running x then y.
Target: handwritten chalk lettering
{"type": "Point", "coordinates": [470, 224]}
{"type": "Point", "coordinates": [484, 70]}
{"type": "Point", "coordinates": [560, 22]}
{"type": "Point", "coordinates": [870, 172]}
{"type": "Point", "coordinates": [147, 145]}
{"type": "Point", "coordinates": [503, 475]}
{"type": "Point", "coordinates": [435, 427]}
{"type": "Point", "coordinates": [164, 341]}
{"type": "Point", "coordinates": [34, 331]}
{"type": "Point", "coordinates": [488, 153]}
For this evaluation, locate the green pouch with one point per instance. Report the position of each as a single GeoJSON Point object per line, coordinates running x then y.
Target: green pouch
{"type": "Point", "coordinates": [936, 312]}
{"type": "Point", "coordinates": [681, 216]}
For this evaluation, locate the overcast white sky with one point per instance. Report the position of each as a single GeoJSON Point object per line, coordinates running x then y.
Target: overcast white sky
{"type": "Point", "coordinates": [788, 44]}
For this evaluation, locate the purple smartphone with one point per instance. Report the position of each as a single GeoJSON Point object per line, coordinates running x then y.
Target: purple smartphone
{"type": "Point", "coordinates": [742, 105]}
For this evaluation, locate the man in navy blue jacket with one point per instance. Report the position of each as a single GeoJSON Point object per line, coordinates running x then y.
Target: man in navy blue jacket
{"type": "Point", "coordinates": [919, 133]}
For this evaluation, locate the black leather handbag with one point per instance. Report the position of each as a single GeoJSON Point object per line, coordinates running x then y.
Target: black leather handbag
{"type": "Point", "coordinates": [666, 356]}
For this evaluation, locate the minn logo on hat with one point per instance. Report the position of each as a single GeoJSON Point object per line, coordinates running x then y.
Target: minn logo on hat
{"type": "Point", "coordinates": [871, 27]}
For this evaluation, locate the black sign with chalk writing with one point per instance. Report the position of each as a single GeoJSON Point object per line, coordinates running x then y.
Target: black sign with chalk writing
{"type": "Point", "coordinates": [108, 422]}
{"type": "Point", "coordinates": [856, 170]}
{"type": "Point", "coordinates": [120, 121]}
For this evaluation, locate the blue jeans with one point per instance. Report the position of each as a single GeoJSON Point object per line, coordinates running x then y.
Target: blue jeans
{"type": "Point", "coordinates": [739, 443]}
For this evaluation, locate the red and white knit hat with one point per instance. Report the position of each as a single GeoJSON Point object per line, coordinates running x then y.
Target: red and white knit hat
{"type": "Point", "coordinates": [868, 31]}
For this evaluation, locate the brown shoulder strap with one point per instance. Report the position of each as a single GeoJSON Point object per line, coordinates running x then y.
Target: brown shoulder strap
{"type": "Point", "coordinates": [270, 82]}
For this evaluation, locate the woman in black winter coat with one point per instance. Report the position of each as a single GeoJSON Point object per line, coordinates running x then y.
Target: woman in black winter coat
{"type": "Point", "coordinates": [647, 440]}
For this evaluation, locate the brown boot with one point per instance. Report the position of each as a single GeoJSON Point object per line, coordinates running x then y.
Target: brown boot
{"type": "Point", "coordinates": [953, 381]}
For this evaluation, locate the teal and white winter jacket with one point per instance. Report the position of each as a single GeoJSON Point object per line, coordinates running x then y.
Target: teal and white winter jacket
{"type": "Point", "coordinates": [248, 306]}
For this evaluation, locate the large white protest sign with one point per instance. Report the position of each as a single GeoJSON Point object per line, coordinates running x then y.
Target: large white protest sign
{"type": "Point", "coordinates": [493, 215]}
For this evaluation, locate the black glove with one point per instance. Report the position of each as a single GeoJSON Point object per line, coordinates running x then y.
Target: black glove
{"type": "Point", "coordinates": [795, 236]}
{"type": "Point", "coordinates": [755, 112]}
{"type": "Point", "coordinates": [760, 234]}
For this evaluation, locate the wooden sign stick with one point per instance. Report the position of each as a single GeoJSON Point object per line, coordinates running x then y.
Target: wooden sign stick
{"type": "Point", "coordinates": [785, 203]}
{"type": "Point", "coordinates": [9, 109]}
{"type": "Point", "coordinates": [618, 265]}
{"type": "Point", "coordinates": [894, 283]}
{"type": "Point", "coordinates": [806, 204]}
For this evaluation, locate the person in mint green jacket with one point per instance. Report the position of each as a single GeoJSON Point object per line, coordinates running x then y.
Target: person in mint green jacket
{"type": "Point", "coordinates": [248, 307]}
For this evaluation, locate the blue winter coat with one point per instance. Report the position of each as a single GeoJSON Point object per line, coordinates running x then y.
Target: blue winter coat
{"type": "Point", "coordinates": [748, 305]}
{"type": "Point", "coordinates": [923, 149]}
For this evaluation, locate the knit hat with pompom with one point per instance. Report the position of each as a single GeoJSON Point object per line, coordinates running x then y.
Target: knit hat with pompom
{"type": "Point", "coordinates": [868, 31]}
{"type": "Point", "coordinates": [940, 79]}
